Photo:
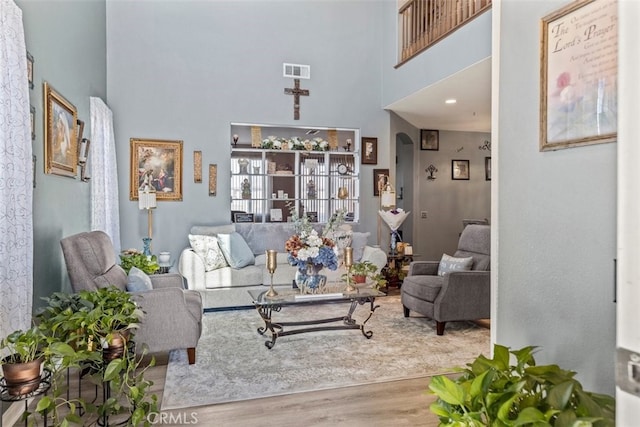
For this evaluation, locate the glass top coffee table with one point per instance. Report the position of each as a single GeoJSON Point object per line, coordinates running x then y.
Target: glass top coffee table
{"type": "Point", "coordinates": [267, 305]}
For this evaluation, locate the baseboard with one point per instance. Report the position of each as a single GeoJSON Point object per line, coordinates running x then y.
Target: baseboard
{"type": "Point", "coordinates": [12, 414]}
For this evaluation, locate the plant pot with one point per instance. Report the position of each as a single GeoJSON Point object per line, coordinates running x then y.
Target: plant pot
{"type": "Point", "coordinates": [116, 346]}
{"type": "Point", "coordinates": [22, 378]}
{"type": "Point", "coordinates": [359, 278]}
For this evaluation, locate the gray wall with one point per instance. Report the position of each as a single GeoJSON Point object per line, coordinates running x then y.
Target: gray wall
{"type": "Point", "coordinates": [557, 222]}
{"type": "Point", "coordinates": [68, 42]}
{"type": "Point", "coordinates": [186, 70]}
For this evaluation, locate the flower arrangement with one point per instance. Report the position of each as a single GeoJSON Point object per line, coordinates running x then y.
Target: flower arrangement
{"type": "Point", "coordinates": [294, 143]}
{"type": "Point", "coordinates": [308, 248]}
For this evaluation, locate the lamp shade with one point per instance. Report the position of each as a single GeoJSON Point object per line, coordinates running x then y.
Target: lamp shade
{"type": "Point", "coordinates": [147, 200]}
{"type": "Point", "coordinates": [388, 197]}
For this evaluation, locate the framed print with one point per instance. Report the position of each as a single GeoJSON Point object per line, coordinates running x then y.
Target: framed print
{"type": "Point", "coordinates": [243, 217]}
{"type": "Point", "coordinates": [60, 134]}
{"type": "Point", "coordinates": [380, 179]}
{"type": "Point", "coordinates": [460, 169]}
{"type": "Point", "coordinates": [213, 180]}
{"type": "Point", "coordinates": [32, 119]}
{"type": "Point", "coordinates": [578, 81]}
{"type": "Point", "coordinates": [275, 215]}
{"type": "Point", "coordinates": [487, 168]}
{"type": "Point", "coordinates": [429, 139]}
{"type": "Point", "coordinates": [158, 164]}
{"type": "Point", "coordinates": [369, 151]}
{"type": "Point", "coordinates": [197, 167]}
{"type": "Point", "coordinates": [312, 216]}
{"type": "Point", "coordinates": [30, 70]}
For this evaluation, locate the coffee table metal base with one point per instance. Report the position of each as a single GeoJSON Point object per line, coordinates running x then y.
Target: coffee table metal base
{"type": "Point", "coordinates": [348, 322]}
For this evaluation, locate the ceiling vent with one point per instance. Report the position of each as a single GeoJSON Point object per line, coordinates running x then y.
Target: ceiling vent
{"type": "Point", "coordinates": [296, 71]}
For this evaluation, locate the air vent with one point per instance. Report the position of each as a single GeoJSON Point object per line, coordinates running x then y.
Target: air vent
{"type": "Point", "coordinates": [296, 71]}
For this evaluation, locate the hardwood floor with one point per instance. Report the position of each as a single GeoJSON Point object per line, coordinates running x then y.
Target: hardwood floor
{"type": "Point", "coordinates": [396, 403]}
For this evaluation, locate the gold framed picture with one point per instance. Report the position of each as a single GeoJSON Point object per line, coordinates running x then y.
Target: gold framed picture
{"type": "Point", "coordinates": [60, 134]}
{"type": "Point", "coordinates": [156, 163]}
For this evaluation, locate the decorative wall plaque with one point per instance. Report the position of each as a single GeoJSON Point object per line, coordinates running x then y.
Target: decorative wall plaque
{"type": "Point", "coordinates": [197, 166]}
{"type": "Point", "coordinates": [213, 180]}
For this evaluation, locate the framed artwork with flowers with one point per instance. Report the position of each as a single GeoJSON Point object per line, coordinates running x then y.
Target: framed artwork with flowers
{"type": "Point", "coordinates": [60, 134]}
{"type": "Point", "coordinates": [157, 164]}
{"type": "Point", "coordinates": [579, 71]}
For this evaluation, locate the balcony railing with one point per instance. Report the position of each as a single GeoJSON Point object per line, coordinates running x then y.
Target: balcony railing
{"type": "Point", "coordinates": [424, 22]}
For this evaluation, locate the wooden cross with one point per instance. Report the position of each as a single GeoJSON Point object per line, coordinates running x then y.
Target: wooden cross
{"type": "Point", "coordinates": [296, 92]}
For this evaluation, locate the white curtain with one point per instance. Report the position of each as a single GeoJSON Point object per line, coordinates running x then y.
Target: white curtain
{"type": "Point", "coordinates": [104, 173]}
{"type": "Point", "coordinates": [16, 175]}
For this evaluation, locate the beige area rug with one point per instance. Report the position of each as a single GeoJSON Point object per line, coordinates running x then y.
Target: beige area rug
{"type": "Point", "coordinates": [232, 362]}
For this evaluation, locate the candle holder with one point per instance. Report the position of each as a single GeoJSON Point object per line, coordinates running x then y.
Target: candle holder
{"type": "Point", "coordinates": [348, 262]}
{"type": "Point", "coordinates": [272, 262]}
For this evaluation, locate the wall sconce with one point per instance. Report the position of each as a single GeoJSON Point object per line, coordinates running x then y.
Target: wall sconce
{"type": "Point", "coordinates": [147, 200]}
{"type": "Point", "coordinates": [431, 170]}
{"type": "Point", "coordinates": [485, 146]}
{"type": "Point", "coordinates": [83, 156]}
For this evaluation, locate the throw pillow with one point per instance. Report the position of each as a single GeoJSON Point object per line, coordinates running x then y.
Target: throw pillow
{"type": "Point", "coordinates": [358, 242]}
{"type": "Point", "coordinates": [449, 264]}
{"type": "Point", "coordinates": [208, 249]}
{"type": "Point", "coordinates": [138, 281]}
{"type": "Point", "coordinates": [236, 250]}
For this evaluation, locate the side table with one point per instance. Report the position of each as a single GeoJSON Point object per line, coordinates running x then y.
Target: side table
{"type": "Point", "coordinates": [393, 270]}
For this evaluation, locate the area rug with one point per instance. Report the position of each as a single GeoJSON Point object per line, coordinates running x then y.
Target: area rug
{"type": "Point", "coordinates": [232, 362]}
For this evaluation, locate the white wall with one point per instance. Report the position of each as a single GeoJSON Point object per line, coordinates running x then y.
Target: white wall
{"type": "Point", "coordinates": [186, 70]}
{"type": "Point", "coordinates": [557, 221]}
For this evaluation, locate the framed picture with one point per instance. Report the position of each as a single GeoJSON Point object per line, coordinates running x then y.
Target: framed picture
{"type": "Point", "coordinates": [32, 117]}
{"type": "Point", "coordinates": [312, 216]}
{"type": "Point", "coordinates": [30, 70]}
{"type": "Point", "coordinates": [243, 217]}
{"type": "Point", "coordinates": [197, 167]}
{"type": "Point", "coordinates": [429, 139]}
{"type": "Point", "coordinates": [369, 151]}
{"type": "Point", "coordinates": [275, 215]}
{"type": "Point", "coordinates": [61, 134]}
{"type": "Point", "coordinates": [487, 168]}
{"type": "Point", "coordinates": [213, 180]}
{"type": "Point", "coordinates": [579, 69]}
{"type": "Point", "coordinates": [460, 169]}
{"type": "Point", "coordinates": [158, 164]}
{"type": "Point", "coordinates": [380, 179]}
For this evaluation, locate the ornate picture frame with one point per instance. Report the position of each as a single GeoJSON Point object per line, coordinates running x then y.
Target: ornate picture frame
{"type": "Point", "coordinates": [460, 170]}
{"type": "Point", "coordinates": [60, 134]}
{"type": "Point", "coordinates": [578, 75]}
{"type": "Point", "coordinates": [157, 163]}
{"type": "Point", "coordinates": [429, 139]}
{"type": "Point", "coordinates": [380, 178]}
{"type": "Point", "coordinates": [369, 151]}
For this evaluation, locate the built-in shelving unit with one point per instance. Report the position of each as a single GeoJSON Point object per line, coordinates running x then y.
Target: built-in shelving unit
{"type": "Point", "coordinates": [267, 182]}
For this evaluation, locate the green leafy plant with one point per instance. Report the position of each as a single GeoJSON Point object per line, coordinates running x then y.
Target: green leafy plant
{"type": "Point", "coordinates": [134, 258]}
{"type": "Point", "coordinates": [23, 346]}
{"type": "Point", "coordinates": [366, 270]}
{"type": "Point", "coordinates": [491, 392]}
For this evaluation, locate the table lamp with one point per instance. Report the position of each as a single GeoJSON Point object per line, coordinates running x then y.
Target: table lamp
{"type": "Point", "coordinates": [147, 200]}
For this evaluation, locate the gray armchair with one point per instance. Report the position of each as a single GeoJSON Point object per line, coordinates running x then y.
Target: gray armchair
{"type": "Point", "coordinates": [458, 295]}
{"type": "Point", "coordinates": [173, 316]}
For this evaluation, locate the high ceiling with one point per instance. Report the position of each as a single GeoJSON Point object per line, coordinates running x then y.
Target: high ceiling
{"type": "Point", "coordinates": [471, 88]}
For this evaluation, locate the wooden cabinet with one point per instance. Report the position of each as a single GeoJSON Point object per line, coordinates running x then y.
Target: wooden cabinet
{"type": "Point", "coordinates": [269, 182]}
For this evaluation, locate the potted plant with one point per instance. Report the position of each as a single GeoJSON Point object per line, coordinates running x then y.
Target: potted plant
{"type": "Point", "coordinates": [23, 365]}
{"type": "Point", "coordinates": [492, 392]}
{"type": "Point", "coordinates": [361, 271]}
{"type": "Point", "coordinates": [134, 258]}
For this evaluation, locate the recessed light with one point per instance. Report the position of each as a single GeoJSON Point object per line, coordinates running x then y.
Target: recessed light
{"type": "Point", "coordinates": [450, 101]}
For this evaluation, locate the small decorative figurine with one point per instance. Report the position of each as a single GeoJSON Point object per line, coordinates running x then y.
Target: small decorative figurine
{"type": "Point", "coordinates": [311, 189]}
{"type": "Point", "coordinates": [246, 189]}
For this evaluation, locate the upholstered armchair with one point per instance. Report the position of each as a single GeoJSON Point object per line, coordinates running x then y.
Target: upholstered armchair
{"type": "Point", "coordinates": [462, 290]}
{"type": "Point", "coordinates": [173, 315]}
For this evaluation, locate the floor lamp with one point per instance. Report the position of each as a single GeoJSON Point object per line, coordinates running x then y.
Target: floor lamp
{"type": "Point", "coordinates": [147, 200]}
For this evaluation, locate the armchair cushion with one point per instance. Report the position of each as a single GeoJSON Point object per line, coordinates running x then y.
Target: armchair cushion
{"type": "Point", "coordinates": [236, 250]}
{"type": "Point", "coordinates": [449, 264]}
{"type": "Point", "coordinates": [425, 288]}
{"type": "Point", "coordinates": [358, 242]}
{"type": "Point", "coordinates": [208, 249]}
{"type": "Point", "coordinates": [138, 281]}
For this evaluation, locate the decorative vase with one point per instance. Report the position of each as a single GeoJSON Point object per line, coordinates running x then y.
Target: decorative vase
{"type": "Point", "coordinates": [311, 282]}
{"type": "Point", "coordinates": [164, 257]}
{"type": "Point", "coordinates": [146, 241]}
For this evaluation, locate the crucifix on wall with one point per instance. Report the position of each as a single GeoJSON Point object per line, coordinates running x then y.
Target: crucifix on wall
{"type": "Point", "coordinates": [296, 92]}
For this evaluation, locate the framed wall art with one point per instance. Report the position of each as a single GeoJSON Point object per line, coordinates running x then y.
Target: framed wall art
{"type": "Point", "coordinates": [60, 134]}
{"type": "Point", "coordinates": [579, 69]}
{"type": "Point", "coordinates": [460, 169]}
{"type": "Point", "coordinates": [429, 139]}
{"type": "Point", "coordinates": [197, 167]}
{"type": "Point", "coordinates": [369, 151]}
{"type": "Point", "coordinates": [380, 179]}
{"type": "Point", "coordinates": [213, 180]}
{"type": "Point", "coordinates": [158, 164]}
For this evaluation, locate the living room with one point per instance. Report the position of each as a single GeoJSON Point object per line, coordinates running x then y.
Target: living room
{"type": "Point", "coordinates": [185, 71]}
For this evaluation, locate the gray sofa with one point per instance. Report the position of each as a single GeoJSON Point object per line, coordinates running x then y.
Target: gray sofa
{"type": "Point", "coordinates": [259, 238]}
{"type": "Point", "coordinates": [457, 295]}
{"type": "Point", "coordinates": [173, 315]}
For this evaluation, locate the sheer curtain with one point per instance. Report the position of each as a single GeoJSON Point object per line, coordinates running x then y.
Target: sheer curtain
{"type": "Point", "coordinates": [104, 174]}
{"type": "Point", "coordinates": [16, 175]}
